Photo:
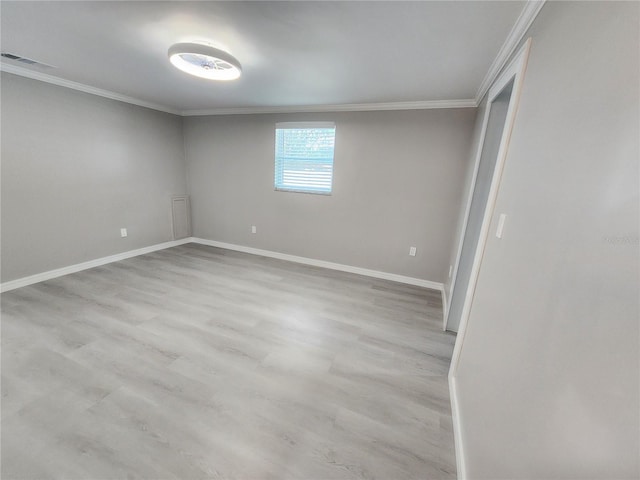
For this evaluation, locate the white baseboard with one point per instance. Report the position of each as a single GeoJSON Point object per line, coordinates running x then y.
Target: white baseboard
{"type": "Point", "coordinates": [59, 272]}
{"type": "Point", "coordinates": [457, 430]}
{"type": "Point", "coordinates": [324, 264]}
{"type": "Point", "coordinates": [445, 312]}
{"type": "Point", "coordinates": [41, 277]}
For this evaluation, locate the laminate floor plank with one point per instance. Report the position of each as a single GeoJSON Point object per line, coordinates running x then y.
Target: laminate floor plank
{"type": "Point", "coordinates": [196, 362]}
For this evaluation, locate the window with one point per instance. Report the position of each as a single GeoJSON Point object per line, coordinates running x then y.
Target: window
{"type": "Point", "coordinates": [304, 157]}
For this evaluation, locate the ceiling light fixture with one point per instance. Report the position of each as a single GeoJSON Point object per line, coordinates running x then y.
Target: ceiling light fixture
{"type": "Point", "coordinates": [204, 61]}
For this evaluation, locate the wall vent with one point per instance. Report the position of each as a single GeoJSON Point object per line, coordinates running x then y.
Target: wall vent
{"type": "Point", "coordinates": [26, 61]}
{"type": "Point", "coordinates": [181, 216]}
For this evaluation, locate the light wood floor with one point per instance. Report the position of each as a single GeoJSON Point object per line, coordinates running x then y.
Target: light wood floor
{"type": "Point", "coordinates": [196, 362]}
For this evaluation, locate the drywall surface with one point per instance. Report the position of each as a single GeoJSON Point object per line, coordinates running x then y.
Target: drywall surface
{"type": "Point", "coordinates": [397, 182]}
{"type": "Point", "coordinates": [75, 169]}
{"type": "Point", "coordinates": [548, 374]}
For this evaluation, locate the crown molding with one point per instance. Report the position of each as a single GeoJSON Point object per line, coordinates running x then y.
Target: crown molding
{"type": "Point", "coordinates": [353, 107]}
{"type": "Point", "coordinates": [43, 77]}
{"type": "Point", "coordinates": [524, 21]}
{"type": "Point", "coordinates": [350, 107]}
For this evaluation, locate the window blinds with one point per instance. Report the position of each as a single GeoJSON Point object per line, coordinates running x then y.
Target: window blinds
{"type": "Point", "coordinates": [304, 156]}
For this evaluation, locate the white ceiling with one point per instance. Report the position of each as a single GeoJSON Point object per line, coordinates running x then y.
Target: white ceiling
{"type": "Point", "coordinates": [292, 53]}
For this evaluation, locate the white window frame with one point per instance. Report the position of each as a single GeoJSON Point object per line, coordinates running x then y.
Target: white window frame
{"type": "Point", "coordinates": [279, 184]}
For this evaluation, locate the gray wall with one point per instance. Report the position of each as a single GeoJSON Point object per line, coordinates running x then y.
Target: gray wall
{"type": "Point", "coordinates": [397, 183]}
{"type": "Point", "coordinates": [548, 376]}
{"type": "Point", "coordinates": [75, 169]}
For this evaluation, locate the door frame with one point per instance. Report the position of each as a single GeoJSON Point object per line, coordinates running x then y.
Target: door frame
{"type": "Point", "coordinates": [514, 71]}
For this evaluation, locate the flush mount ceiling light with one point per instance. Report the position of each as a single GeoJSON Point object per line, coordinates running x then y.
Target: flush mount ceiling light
{"type": "Point", "coordinates": [204, 61]}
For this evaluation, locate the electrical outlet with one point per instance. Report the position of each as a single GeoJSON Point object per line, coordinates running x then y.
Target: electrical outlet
{"type": "Point", "coordinates": [123, 232]}
{"type": "Point", "coordinates": [254, 229]}
{"type": "Point", "coordinates": [412, 251]}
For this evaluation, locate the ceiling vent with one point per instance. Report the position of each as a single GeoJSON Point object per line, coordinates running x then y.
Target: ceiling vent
{"type": "Point", "coordinates": [26, 61]}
